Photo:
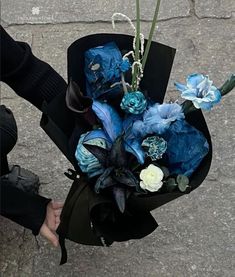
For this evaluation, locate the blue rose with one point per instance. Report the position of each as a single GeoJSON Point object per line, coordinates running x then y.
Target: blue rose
{"type": "Point", "coordinates": [134, 102]}
{"type": "Point", "coordinates": [154, 147]}
{"type": "Point", "coordinates": [157, 119]}
{"type": "Point", "coordinates": [200, 91]}
{"type": "Point", "coordinates": [87, 162]}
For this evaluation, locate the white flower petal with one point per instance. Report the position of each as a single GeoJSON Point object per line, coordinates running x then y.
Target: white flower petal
{"type": "Point", "coordinates": [151, 178]}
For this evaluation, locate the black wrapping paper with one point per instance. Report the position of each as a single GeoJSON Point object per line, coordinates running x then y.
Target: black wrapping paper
{"type": "Point", "coordinates": [64, 129]}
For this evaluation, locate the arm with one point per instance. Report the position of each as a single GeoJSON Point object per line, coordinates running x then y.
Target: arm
{"type": "Point", "coordinates": [31, 78]}
{"type": "Point", "coordinates": [23, 208]}
{"type": "Point", "coordinates": [37, 213]}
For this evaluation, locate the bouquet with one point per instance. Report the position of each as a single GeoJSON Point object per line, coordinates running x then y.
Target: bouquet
{"type": "Point", "coordinates": [132, 152]}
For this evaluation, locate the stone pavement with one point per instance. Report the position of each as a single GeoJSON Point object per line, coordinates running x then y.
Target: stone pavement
{"type": "Point", "coordinates": [196, 232]}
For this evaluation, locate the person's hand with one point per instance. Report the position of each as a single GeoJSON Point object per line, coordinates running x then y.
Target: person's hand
{"type": "Point", "coordinates": [51, 222]}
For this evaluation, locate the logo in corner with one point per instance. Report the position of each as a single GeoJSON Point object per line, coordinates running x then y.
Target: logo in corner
{"type": "Point", "coordinates": [35, 10]}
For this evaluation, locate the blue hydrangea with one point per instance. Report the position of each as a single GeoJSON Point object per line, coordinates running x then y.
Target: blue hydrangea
{"type": "Point", "coordinates": [200, 91]}
{"type": "Point", "coordinates": [157, 119]}
{"type": "Point", "coordinates": [154, 147]}
{"type": "Point", "coordinates": [134, 102]}
{"type": "Point", "coordinates": [87, 162]}
{"type": "Point", "coordinates": [186, 148]}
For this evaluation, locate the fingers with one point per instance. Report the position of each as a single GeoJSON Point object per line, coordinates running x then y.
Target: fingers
{"type": "Point", "coordinates": [49, 235]}
{"type": "Point", "coordinates": [57, 219]}
{"type": "Point", "coordinates": [57, 225]}
{"type": "Point", "coordinates": [57, 205]}
{"type": "Point", "coordinates": [57, 212]}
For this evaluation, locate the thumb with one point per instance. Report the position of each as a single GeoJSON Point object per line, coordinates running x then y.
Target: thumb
{"type": "Point", "coordinates": [49, 235]}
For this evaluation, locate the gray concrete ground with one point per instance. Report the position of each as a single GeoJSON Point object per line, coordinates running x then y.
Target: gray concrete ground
{"type": "Point", "coordinates": [196, 232]}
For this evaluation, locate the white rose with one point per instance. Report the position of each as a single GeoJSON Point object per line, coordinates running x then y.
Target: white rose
{"type": "Point", "coordinates": [151, 178]}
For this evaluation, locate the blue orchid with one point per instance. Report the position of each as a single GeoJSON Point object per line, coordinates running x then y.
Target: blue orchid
{"type": "Point", "coordinates": [200, 91]}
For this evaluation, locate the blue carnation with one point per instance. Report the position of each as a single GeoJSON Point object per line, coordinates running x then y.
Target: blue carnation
{"type": "Point", "coordinates": [154, 147]}
{"type": "Point", "coordinates": [157, 119]}
{"type": "Point", "coordinates": [134, 102]}
{"type": "Point", "coordinates": [186, 148]}
{"type": "Point", "coordinates": [200, 91]}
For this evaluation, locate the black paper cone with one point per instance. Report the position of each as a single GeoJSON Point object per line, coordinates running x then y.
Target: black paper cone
{"type": "Point", "coordinates": [59, 123]}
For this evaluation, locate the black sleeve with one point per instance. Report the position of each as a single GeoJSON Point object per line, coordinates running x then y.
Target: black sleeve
{"type": "Point", "coordinates": [23, 208]}
{"type": "Point", "coordinates": [31, 78]}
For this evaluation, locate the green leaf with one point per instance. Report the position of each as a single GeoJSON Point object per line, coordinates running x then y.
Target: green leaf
{"type": "Point", "coordinates": [228, 85]}
{"type": "Point", "coordinates": [171, 184]}
{"type": "Point", "coordinates": [165, 171]}
{"type": "Point", "coordinates": [182, 182]}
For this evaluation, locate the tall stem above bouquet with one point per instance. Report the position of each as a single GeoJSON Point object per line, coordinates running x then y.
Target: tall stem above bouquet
{"type": "Point", "coordinates": [140, 64]}
{"type": "Point", "coordinates": [154, 22]}
{"type": "Point", "coordinates": [137, 48]}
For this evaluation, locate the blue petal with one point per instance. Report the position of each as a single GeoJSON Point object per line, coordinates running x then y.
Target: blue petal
{"type": "Point", "coordinates": [194, 79]}
{"type": "Point", "coordinates": [186, 148]}
{"type": "Point", "coordinates": [189, 94]}
{"type": "Point", "coordinates": [217, 95]}
{"type": "Point", "coordinates": [180, 87]}
{"type": "Point", "coordinates": [110, 119]}
{"type": "Point", "coordinates": [140, 129]}
{"type": "Point", "coordinates": [134, 147]}
{"type": "Point", "coordinates": [204, 105]}
{"type": "Point", "coordinates": [129, 120]}
{"type": "Point", "coordinates": [128, 125]}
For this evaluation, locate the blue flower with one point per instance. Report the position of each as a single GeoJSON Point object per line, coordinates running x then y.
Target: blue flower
{"type": "Point", "coordinates": [155, 147]}
{"type": "Point", "coordinates": [186, 148]}
{"type": "Point", "coordinates": [125, 65]}
{"type": "Point", "coordinates": [88, 162]}
{"type": "Point", "coordinates": [103, 67]}
{"type": "Point", "coordinates": [134, 102]}
{"type": "Point", "coordinates": [157, 119]}
{"type": "Point", "coordinates": [200, 91]}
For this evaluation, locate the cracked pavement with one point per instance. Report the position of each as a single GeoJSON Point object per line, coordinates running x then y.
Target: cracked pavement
{"type": "Point", "coordinates": [196, 233]}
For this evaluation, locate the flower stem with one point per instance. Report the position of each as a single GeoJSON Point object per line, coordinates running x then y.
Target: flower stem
{"type": "Point", "coordinates": [124, 83]}
{"type": "Point", "coordinates": [137, 45]}
{"type": "Point", "coordinates": [228, 85]}
{"type": "Point", "coordinates": [154, 22]}
{"type": "Point", "coordinates": [188, 107]}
